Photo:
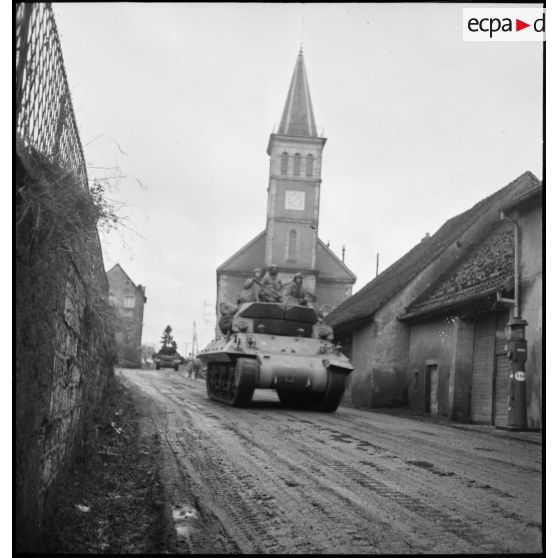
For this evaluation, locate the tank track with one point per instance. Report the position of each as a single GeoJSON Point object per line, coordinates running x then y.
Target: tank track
{"type": "Point", "coordinates": [326, 402]}
{"type": "Point", "coordinates": [232, 383]}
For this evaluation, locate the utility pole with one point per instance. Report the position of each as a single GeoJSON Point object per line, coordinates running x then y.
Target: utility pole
{"type": "Point", "coordinates": [343, 253]}
{"type": "Point", "coordinates": [377, 262]}
{"type": "Point", "coordinates": [194, 341]}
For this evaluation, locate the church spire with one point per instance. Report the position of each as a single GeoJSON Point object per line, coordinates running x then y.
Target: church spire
{"type": "Point", "coordinates": [298, 116]}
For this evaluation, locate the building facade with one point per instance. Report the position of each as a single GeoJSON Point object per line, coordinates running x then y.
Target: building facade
{"type": "Point", "coordinates": [290, 240]}
{"type": "Point", "coordinates": [431, 330]}
{"type": "Point", "coordinates": [128, 301]}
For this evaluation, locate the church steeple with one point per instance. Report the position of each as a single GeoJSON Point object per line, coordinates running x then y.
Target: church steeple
{"type": "Point", "coordinates": [293, 201]}
{"type": "Point", "coordinates": [298, 116]}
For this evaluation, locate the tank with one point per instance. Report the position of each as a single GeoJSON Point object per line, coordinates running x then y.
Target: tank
{"type": "Point", "coordinates": [270, 345]}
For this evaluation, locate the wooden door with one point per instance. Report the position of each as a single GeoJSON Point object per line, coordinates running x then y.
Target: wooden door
{"type": "Point", "coordinates": [483, 370]}
{"type": "Point", "coordinates": [431, 391]}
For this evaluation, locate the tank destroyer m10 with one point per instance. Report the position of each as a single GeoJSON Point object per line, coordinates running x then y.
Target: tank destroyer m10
{"type": "Point", "coordinates": [272, 345]}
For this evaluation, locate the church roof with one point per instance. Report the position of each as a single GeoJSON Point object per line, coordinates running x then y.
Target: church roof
{"type": "Point", "coordinates": [298, 115]}
{"type": "Point", "coordinates": [250, 256]}
{"type": "Point", "coordinates": [329, 266]}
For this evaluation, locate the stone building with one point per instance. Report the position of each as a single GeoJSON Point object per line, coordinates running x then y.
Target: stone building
{"type": "Point", "coordinates": [128, 301]}
{"type": "Point", "coordinates": [290, 239]}
{"type": "Point", "coordinates": [430, 331]}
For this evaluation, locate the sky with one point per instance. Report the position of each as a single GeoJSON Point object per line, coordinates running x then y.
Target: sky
{"type": "Point", "coordinates": [175, 104]}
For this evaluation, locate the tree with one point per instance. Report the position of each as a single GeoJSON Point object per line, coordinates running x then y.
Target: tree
{"type": "Point", "coordinates": [168, 344]}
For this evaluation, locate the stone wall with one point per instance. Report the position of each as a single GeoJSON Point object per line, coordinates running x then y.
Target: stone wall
{"type": "Point", "coordinates": [64, 341]}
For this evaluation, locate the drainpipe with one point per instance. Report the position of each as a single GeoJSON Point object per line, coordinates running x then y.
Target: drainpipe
{"type": "Point", "coordinates": [516, 348]}
{"type": "Point", "coordinates": [515, 300]}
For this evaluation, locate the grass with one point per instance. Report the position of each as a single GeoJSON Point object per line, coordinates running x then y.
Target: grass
{"type": "Point", "coordinates": [112, 502]}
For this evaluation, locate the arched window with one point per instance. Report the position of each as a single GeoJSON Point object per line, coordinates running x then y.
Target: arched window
{"type": "Point", "coordinates": [284, 162]}
{"type": "Point", "coordinates": [296, 166]}
{"type": "Point", "coordinates": [309, 164]}
{"type": "Point", "coordinates": [291, 245]}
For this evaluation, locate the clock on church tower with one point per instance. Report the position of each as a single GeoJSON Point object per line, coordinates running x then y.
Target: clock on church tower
{"type": "Point", "coordinates": [294, 199]}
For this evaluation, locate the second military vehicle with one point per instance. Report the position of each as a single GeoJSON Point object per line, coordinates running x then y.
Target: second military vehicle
{"type": "Point", "coordinates": [167, 360]}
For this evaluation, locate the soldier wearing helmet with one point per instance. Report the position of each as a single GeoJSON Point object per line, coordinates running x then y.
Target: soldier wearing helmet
{"type": "Point", "coordinates": [296, 293]}
{"type": "Point", "coordinates": [271, 286]}
{"type": "Point", "coordinates": [251, 288]}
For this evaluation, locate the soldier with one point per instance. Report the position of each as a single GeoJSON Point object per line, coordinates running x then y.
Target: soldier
{"type": "Point", "coordinates": [196, 366]}
{"type": "Point", "coordinates": [271, 286]}
{"type": "Point", "coordinates": [227, 312]}
{"type": "Point", "coordinates": [251, 288]}
{"type": "Point", "coordinates": [295, 292]}
{"type": "Point", "coordinates": [189, 365]}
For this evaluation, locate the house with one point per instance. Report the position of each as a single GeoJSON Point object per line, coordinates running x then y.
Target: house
{"type": "Point", "coordinates": [430, 331]}
{"type": "Point", "coordinates": [290, 240]}
{"type": "Point", "coordinates": [128, 300]}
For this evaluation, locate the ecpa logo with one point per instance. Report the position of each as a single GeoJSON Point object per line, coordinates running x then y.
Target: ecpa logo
{"type": "Point", "coordinates": [503, 24]}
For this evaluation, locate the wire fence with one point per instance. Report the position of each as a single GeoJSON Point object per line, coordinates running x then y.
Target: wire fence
{"type": "Point", "coordinates": [44, 112]}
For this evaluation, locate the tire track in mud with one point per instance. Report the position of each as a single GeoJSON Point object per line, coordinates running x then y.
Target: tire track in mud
{"type": "Point", "coordinates": [474, 509]}
{"type": "Point", "coordinates": [334, 479]}
{"type": "Point", "coordinates": [268, 480]}
{"type": "Point", "coordinates": [245, 507]}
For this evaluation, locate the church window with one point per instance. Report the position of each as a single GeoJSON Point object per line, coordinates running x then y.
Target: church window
{"type": "Point", "coordinates": [309, 164]}
{"type": "Point", "coordinates": [291, 245]}
{"type": "Point", "coordinates": [296, 167]}
{"type": "Point", "coordinates": [284, 162]}
{"type": "Point", "coordinates": [112, 300]}
{"type": "Point", "coordinates": [129, 302]}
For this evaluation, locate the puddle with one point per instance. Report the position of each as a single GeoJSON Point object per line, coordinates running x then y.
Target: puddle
{"type": "Point", "coordinates": [184, 517]}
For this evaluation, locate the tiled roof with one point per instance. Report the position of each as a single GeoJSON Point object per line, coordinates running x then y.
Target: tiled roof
{"type": "Point", "coordinates": [298, 115]}
{"type": "Point", "coordinates": [482, 270]}
{"type": "Point", "coordinates": [387, 284]}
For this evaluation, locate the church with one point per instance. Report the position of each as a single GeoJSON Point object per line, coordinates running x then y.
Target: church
{"type": "Point", "coordinates": [290, 239]}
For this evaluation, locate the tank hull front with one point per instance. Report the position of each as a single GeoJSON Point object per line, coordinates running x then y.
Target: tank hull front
{"type": "Point", "coordinates": [301, 370]}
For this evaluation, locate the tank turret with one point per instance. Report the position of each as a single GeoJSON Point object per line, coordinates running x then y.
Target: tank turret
{"type": "Point", "coordinates": [285, 347]}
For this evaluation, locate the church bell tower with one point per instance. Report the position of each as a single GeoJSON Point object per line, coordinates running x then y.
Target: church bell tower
{"type": "Point", "coordinates": [295, 152]}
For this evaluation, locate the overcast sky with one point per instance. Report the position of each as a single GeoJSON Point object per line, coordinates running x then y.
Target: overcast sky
{"type": "Point", "coordinates": [180, 99]}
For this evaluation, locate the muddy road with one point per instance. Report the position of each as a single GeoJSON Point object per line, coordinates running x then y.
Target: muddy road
{"type": "Point", "coordinates": [270, 480]}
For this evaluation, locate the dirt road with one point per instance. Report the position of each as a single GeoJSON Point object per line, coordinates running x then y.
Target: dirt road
{"type": "Point", "coordinates": [270, 480]}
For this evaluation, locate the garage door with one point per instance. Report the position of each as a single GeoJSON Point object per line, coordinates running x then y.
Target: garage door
{"type": "Point", "coordinates": [483, 370]}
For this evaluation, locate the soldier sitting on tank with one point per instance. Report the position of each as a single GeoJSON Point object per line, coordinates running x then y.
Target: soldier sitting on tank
{"type": "Point", "coordinates": [227, 311]}
{"type": "Point", "coordinates": [295, 293]}
{"type": "Point", "coordinates": [271, 286]}
{"type": "Point", "coordinates": [251, 288]}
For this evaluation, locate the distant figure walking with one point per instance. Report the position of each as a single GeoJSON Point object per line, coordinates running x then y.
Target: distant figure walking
{"type": "Point", "coordinates": [189, 365]}
{"type": "Point", "coordinates": [197, 366]}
